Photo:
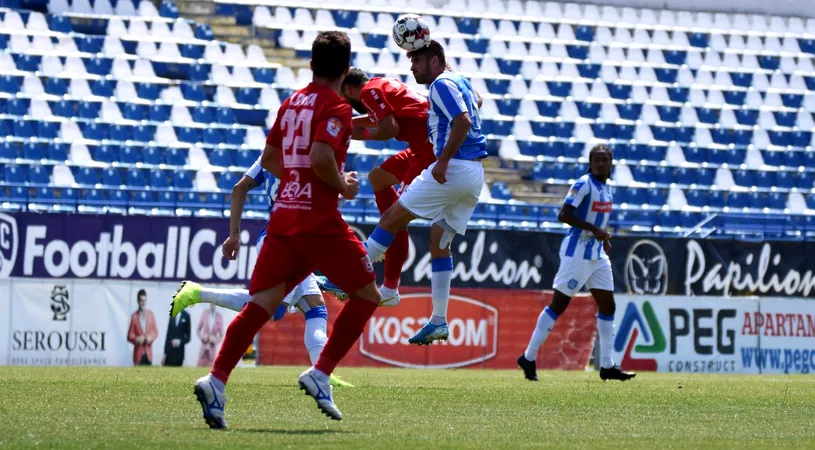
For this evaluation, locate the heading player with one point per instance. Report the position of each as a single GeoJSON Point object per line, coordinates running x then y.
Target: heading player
{"type": "Point", "coordinates": [584, 261]}
{"type": "Point", "coordinates": [446, 193]}
{"type": "Point", "coordinates": [306, 297]}
{"type": "Point", "coordinates": [307, 149]}
{"type": "Point", "coordinates": [393, 111]}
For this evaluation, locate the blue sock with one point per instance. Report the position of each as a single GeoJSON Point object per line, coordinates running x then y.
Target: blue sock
{"type": "Point", "coordinates": [378, 243]}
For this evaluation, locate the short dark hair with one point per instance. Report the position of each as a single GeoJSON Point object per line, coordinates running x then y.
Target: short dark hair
{"type": "Point", "coordinates": [356, 78]}
{"type": "Point", "coordinates": [330, 54]}
{"type": "Point", "coordinates": [141, 293]}
{"type": "Point", "coordinates": [432, 48]}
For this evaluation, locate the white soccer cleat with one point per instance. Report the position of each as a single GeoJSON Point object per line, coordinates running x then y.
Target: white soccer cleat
{"type": "Point", "coordinates": [317, 386]}
{"type": "Point", "coordinates": [212, 402]}
{"type": "Point", "coordinates": [390, 301]}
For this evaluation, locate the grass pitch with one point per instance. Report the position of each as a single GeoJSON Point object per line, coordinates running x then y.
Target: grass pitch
{"type": "Point", "coordinates": [392, 408]}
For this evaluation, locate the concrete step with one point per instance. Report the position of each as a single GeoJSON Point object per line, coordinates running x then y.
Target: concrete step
{"type": "Point", "coordinates": [231, 30]}
{"type": "Point", "coordinates": [537, 198]}
{"type": "Point", "coordinates": [496, 174]}
{"type": "Point", "coordinates": [187, 8]}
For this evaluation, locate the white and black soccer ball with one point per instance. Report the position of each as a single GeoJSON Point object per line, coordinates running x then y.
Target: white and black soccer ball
{"type": "Point", "coordinates": [411, 32]}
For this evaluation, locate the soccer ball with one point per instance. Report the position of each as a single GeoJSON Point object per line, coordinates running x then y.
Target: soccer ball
{"type": "Point", "coordinates": [410, 32]}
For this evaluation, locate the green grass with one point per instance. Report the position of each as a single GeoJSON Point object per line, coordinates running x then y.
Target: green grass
{"type": "Point", "coordinates": [412, 409]}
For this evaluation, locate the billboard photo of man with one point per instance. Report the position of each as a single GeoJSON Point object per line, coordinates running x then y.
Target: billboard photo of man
{"type": "Point", "coordinates": [142, 332]}
{"type": "Point", "coordinates": [210, 332]}
{"type": "Point", "coordinates": [178, 336]}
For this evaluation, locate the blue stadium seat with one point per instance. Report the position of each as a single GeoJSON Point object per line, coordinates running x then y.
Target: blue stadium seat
{"type": "Point", "coordinates": [644, 174]}
{"type": "Point", "coordinates": [542, 129]}
{"type": "Point", "coordinates": [235, 136]}
{"type": "Point", "coordinates": [716, 199]}
{"type": "Point", "coordinates": [23, 128]}
{"type": "Point", "coordinates": [64, 108]}
{"type": "Point", "coordinates": [744, 178]}
{"type": "Point", "coordinates": [735, 156]}
{"type": "Point", "coordinates": [501, 191]}
{"type": "Point", "coordinates": [204, 31]}
{"type": "Point", "coordinates": [689, 219]}
{"type": "Point", "coordinates": [589, 70]}
{"type": "Point", "coordinates": [624, 132]}
{"type": "Point", "coordinates": [779, 138]}
{"type": "Point", "coordinates": [741, 79]}
{"type": "Point", "coordinates": [142, 199]}
{"type": "Point", "coordinates": [226, 116]}
{"type": "Point", "coordinates": [757, 200]}
{"type": "Point", "coordinates": [498, 87]}
{"type": "Point", "coordinates": [619, 91]}
{"type": "Point", "coordinates": [663, 175]}
{"type": "Point", "coordinates": [33, 150]}
{"type": "Point", "coordinates": [147, 91]}
{"type": "Point", "coordinates": [696, 197]}
{"type": "Point", "coordinates": [248, 96]}
{"type": "Point", "coordinates": [792, 100]}
{"type": "Point", "coordinates": [102, 87]}
{"type": "Point", "coordinates": [785, 118]}
{"type": "Point", "coordinates": [130, 154]}
{"type": "Point", "coordinates": [203, 114]}
{"type": "Point", "coordinates": [580, 52]}
{"type": "Point", "coordinates": [159, 113]}
{"type": "Point", "coordinates": [193, 51]}
{"type": "Point", "coordinates": [637, 197]}
{"type": "Point", "coordinates": [477, 45]}
{"type": "Point", "coordinates": [190, 135]}
{"type": "Point", "coordinates": [15, 174]}
{"type": "Point", "coordinates": [669, 113]}
{"type": "Point", "coordinates": [777, 200]}
{"type": "Point", "coordinates": [112, 177]}
{"type": "Point", "coordinates": [18, 106]}
{"type": "Point", "coordinates": [747, 117]}
{"type": "Point", "coordinates": [666, 74]}
{"type": "Point", "coordinates": [784, 179]}
{"type": "Point", "coordinates": [737, 200]}
{"type": "Point", "coordinates": [365, 189]}
{"type": "Point", "coordinates": [89, 110]}
{"type": "Point", "coordinates": [708, 115]}
{"type": "Point", "coordinates": [603, 130]}
{"type": "Point", "coordinates": [573, 149]}
{"type": "Point", "coordinates": [589, 110]}
{"type": "Point", "coordinates": [9, 150]}
{"type": "Point", "coordinates": [486, 212]}
{"type": "Point", "coordinates": [175, 156]}
{"type": "Point", "coordinates": [136, 178]}
{"type": "Point", "coordinates": [86, 175]}
{"type": "Point", "coordinates": [56, 86]}
{"type": "Point", "coordinates": [227, 180]}
{"type": "Point", "coordinates": [133, 111]}
{"type": "Point", "coordinates": [264, 75]}
{"type": "Point", "coordinates": [769, 62]}
{"type": "Point", "coordinates": [245, 158]}
{"type": "Point", "coordinates": [166, 199]}
{"type": "Point", "coordinates": [716, 156]}
{"type": "Point", "coordinates": [722, 136]}
{"type": "Point", "coordinates": [153, 155]}
{"type": "Point", "coordinates": [10, 83]}
{"type": "Point", "coordinates": [685, 176]}
{"type": "Point", "coordinates": [549, 108]}
{"type": "Point", "coordinates": [159, 179]}
{"type": "Point", "coordinates": [94, 130]}
{"type": "Point", "coordinates": [665, 134]}
{"type": "Point", "coordinates": [804, 180]}
{"type": "Point", "coordinates": [107, 153]}
{"type": "Point", "coordinates": [668, 219]}
{"type": "Point", "coordinates": [183, 179]}
{"type": "Point", "coordinates": [697, 39]}
{"type": "Point", "coordinates": [26, 62]}
{"type": "Point", "coordinates": [629, 111]}
{"type": "Point", "coordinates": [705, 177]}
{"type": "Point", "coordinates": [559, 88]}
{"type": "Point", "coordinates": [143, 133]}
{"type": "Point", "coordinates": [801, 138]}
{"type": "Point", "coordinates": [735, 97]}
{"type": "Point", "coordinates": [792, 158]}
{"type": "Point", "coordinates": [765, 179]}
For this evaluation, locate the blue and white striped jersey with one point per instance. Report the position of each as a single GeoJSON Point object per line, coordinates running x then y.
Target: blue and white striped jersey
{"type": "Point", "coordinates": [269, 184]}
{"type": "Point", "coordinates": [593, 201]}
{"type": "Point", "coordinates": [450, 95]}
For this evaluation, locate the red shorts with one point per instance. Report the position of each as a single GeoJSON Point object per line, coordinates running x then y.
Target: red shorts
{"type": "Point", "coordinates": [290, 259]}
{"type": "Point", "coordinates": [407, 165]}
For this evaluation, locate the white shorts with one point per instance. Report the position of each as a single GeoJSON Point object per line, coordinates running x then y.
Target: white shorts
{"type": "Point", "coordinates": [574, 273]}
{"type": "Point", "coordinates": [294, 298]}
{"type": "Point", "coordinates": [452, 202]}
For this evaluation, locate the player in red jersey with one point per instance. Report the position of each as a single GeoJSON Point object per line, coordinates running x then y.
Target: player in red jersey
{"type": "Point", "coordinates": [393, 111]}
{"type": "Point", "coordinates": [306, 150]}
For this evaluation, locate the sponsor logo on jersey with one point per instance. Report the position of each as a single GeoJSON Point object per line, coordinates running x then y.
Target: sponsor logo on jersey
{"type": "Point", "coordinates": [601, 207]}
{"type": "Point", "coordinates": [334, 126]}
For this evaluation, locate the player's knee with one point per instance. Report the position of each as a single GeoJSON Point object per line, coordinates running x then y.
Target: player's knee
{"type": "Point", "coordinates": [560, 302]}
{"type": "Point", "coordinates": [379, 179]}
{"type": "Point", "coordinates": [313, 301]}
{"type": "Point", "coordinates": [369, 293]}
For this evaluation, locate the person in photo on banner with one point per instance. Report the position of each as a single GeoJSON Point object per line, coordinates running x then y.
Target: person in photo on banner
{"type": "Point", "coordinates": [584, 262]}
{"type": "Point", "coordinates": [307, 149]}
{"type": "Point", "coordinates": [446, 193]}
{"type": "Point", "coordinates": [178, 336]}
{"type": "Point", "coordinates": [306, 297]}
{"type": "Point", "coordinates": [210, 332]}
{"type": "Point", "coordinates": [142, 332]}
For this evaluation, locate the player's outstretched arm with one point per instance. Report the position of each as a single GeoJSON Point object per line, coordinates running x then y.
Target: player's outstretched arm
{"type": "Point", "coordinates": [232, 244]}
{"type": "Point", "coordinates": [567, 215]}
{"type": "Point", "coordinates": [387, 128]}
{"type": "Point", "coordinates": [363, 122]}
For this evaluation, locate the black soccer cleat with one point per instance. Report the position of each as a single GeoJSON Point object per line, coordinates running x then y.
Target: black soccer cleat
{"type": "Point", "coordinates": [530, 371]}
{"type": "Point", "coordinates": [615, 373]}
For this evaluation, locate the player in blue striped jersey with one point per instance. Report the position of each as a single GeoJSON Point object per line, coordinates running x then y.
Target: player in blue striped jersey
{"type": "Point", "coordinates": [446, 193]}
{"type": "Point", "coordinates": [306, 297]}
{"type": "Point", "coordinates": [584, 261]}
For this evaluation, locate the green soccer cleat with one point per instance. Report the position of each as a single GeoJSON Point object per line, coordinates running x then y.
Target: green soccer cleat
{"type": "Point", "coordinates": [187, 295]}
{"type": "Point", "coordinates": [337, 381]}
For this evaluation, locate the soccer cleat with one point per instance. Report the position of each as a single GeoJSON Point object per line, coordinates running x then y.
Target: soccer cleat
{"type": "Point", "coordinates": [615, 373]}
{"type": "Point", "coordinates": [187, 295]}
{"type": "Point", "coordinates": [327, 286]}
{"type": "Point", "coordinates": [321, 392]}
{"type": "Point", "coordinates": [430, 333]}
{"type": "Point", "coordinates": [530, 371]}
{"type": "Point", "coordinates": [212, 402]}
{"type": "Point", "coordinates": [391, 301]}
{"type": "Point", "coordinates": [334, 380]}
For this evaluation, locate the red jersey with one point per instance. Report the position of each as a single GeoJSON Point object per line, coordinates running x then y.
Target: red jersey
{"type": "Point", "coordinates": [305, 204]}
{"type": "Point", "coordinates": [385, 96]}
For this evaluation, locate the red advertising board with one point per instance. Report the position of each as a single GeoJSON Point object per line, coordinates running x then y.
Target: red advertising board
{"type": "Point", "coordinates": [488, 329]}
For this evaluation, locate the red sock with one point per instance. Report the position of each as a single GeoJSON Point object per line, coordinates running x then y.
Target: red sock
{"type": "Point", "coordinates": [385, 199]}
{"type": "Point", "coordinates": [347, 328]}
{"type": "Point", "coordinates": [239, 335]}
{"type": "Point", "coordinates": [395, 257]}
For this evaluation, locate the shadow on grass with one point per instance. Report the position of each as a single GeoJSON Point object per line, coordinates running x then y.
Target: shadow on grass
{"type": "Point", "coordinates": [290, 432]}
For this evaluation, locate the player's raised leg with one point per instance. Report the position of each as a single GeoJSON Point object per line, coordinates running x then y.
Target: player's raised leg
{"type": "Point", "coordinates": [191, 293]}
{"type": "Point", "coordinates": [382, 183]}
